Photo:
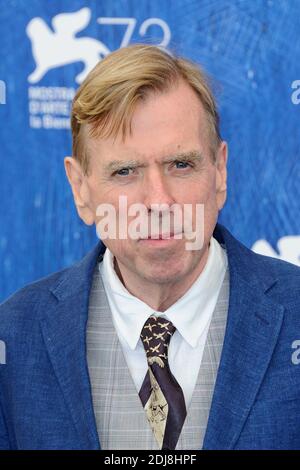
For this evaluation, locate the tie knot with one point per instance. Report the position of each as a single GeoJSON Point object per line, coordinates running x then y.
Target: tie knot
{"type": "Point", "coordinates": [156, 335]}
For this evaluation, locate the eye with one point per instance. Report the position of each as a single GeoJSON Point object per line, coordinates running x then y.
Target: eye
{"type": "Point", "coordinates": [123, 171]}
{"type": "Point", "coordinates": [182, 165]}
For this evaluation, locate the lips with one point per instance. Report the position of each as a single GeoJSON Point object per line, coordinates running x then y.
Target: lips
{"type": "Point", "coordinates": [161, 236]}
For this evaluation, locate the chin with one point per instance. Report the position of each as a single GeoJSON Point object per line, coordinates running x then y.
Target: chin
{"type": "Point", "coordinates": [163, 273]}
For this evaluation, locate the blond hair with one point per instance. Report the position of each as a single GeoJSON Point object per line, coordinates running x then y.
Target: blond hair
{"type": "Point", "coordinates": [107, 98]}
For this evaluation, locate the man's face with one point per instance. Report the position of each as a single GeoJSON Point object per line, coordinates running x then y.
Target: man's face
{"type": "Point", "coordinates": [166, 160]}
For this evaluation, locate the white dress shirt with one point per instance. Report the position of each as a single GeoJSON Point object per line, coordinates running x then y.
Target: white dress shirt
{"type": "Point", "coordinates": [191, 315]}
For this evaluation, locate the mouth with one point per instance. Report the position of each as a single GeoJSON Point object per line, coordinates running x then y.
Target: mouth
{"type": "Point", "coordinates": [160, 239]}
{"type": "Point", "coordinates": [161, 236]}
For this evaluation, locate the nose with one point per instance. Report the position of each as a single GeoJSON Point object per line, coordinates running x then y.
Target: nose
{"type": "Point", "coordinates": [157, 190]}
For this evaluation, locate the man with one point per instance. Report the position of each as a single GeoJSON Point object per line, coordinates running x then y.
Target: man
{"type": "Point", "coordinates": [152, 343]}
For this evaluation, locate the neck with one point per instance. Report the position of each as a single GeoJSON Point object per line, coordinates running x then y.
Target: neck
{"type": "Point", "coordinates": [157, 295]}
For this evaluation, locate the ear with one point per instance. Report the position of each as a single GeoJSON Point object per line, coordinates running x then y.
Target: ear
{"type": "Point", "coordinates": [80, 189]}
{"type": "Point", "coordinates": [221, 174]}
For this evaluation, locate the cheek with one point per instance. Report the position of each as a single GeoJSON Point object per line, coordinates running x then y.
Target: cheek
{"type": "Point", "coordinates": [200, 191]}
{"type": "Point", "coordinates": [208, 197]}
{"type": "Point", "coordinates": [208, 190]}
{"type": "Point", "coordinates": [119, 248]}
{"type": "Point", "coordinates": [101, 196]}
{"type": "Point", "coordinates": [103, 193]}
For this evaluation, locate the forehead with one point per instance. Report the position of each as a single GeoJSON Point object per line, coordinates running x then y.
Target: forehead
{"type": "Point", "coordinates": [161, 124]}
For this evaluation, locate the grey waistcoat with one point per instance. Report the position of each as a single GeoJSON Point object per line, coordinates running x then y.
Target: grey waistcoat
{"type": "Point", "coordinates": [120, 418]}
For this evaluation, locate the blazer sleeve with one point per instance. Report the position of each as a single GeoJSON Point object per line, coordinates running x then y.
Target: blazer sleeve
{"type": "Point", "coordinates": [4, 440]}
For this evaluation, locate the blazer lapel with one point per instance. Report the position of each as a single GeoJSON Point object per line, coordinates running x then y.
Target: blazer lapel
{"type": "Point", "coordinates": [253, 326]}
{"type": "Point", "coordinates": [64, 328]}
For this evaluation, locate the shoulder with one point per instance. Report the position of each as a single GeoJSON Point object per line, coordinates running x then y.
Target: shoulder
{"type": "Point", "coordinates": [276, 267]}
{"type": "Point", "coordinates": [278, 279]}
{"type": "Point", "coordinates": [253, 266]}
{"type": "Point", "coordinates": [25, 304]}
{"type": "Point", "coordinates": [28, 304]}
{"type": "Point", "coordinates": [286, 279]}
{"type": "Point", "coordinates": [280, 282]}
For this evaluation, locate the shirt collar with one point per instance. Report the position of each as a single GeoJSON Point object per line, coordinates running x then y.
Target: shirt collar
{"type": "Point", "coordinates": [190, 314]}
{"type": "Point", "coordinates": [129, 312]}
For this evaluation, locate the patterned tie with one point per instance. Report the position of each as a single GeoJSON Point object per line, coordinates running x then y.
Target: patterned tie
{"type": "Point", "coordinates": [161, 395]}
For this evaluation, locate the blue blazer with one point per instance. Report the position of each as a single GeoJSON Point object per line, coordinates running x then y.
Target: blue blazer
{"type": "Point", "coordinates": [45, 391]}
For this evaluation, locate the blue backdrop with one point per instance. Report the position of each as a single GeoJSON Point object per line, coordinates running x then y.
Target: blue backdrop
{"type": "Point", "coordinates": [251, 49]}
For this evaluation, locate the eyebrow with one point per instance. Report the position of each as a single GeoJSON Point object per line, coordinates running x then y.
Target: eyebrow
{"type": "Point", "coordinates": [116, 165]}
{"type": "Point", "coordinates": [193, 155]}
